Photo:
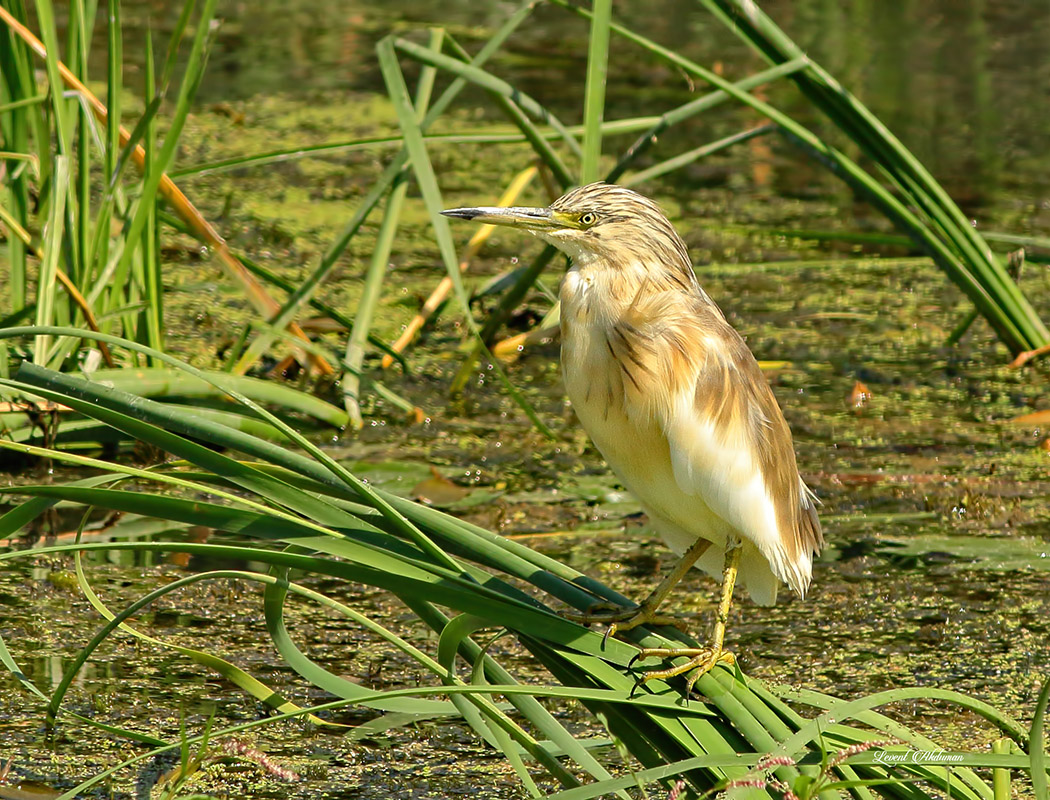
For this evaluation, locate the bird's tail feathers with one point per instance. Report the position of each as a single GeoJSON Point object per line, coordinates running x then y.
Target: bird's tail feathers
{"type": "Point", "coordinates": [799, 572]}
{"type": "Point", "coordinates": [795, 572]}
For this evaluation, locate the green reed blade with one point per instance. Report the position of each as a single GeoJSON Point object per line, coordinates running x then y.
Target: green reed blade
{"type": "Point", "coordinates": [98, 249]}
{"type": "Point", "coordinates": [178, 33]}
{"type": "Point", "coordinates": [166, 382]}
{"type": "Point", "coordinates": [78, 33]}
{"type": "Point", "coordinates": [273, 607]}
{"type": "Point", "coordinates": [384, 245]}
{"type": "Point", "coordinates": [1037, 744]}
{"type": "Point", "coordinates": [25, 101]}
{"type": "Point", "coordinates": [152, 279]}
{"type": "Point", "coordinates": [493, 136]}
{"type": "Point", "coordinates": [196, 60]}
{"type": "Point", "coordinates": [594, 90]}
{"type": "Point", "coordinates": [47, 283]}
{"type": "Point", "coordinates": [428, 186]}
{"type": "Point", "coordinates": [59, 105]}
{"type": "Point", "coordinates": [536, 713]}
{"type": "Point", "coordinates": [328, 466]}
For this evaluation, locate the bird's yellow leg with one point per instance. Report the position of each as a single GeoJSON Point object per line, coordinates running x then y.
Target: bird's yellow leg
{"type": "Point", "coordinates": [701, 660]}
{"type": "Point", "coordinates": [624, 619]}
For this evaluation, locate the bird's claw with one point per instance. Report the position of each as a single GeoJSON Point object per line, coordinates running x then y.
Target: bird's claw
{"type": "Point", "coordinates": [701, 661]}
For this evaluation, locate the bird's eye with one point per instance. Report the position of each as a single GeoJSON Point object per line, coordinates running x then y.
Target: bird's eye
{"type": "Point", "coordinates": [588, 219]}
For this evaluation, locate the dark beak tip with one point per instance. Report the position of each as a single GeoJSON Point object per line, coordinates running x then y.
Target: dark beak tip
{"type": "Point", "coordinates": [460, 213]}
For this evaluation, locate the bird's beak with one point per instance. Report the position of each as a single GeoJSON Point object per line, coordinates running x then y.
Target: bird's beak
{"type": "Point", "coordinates": [534, 219]}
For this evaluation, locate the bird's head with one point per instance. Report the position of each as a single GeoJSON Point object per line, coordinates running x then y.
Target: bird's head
{"type": "Point", "coordinates": [600, 221]}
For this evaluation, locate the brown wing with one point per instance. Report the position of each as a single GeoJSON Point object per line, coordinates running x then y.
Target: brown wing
{"type": "Point", "coordinates": [685, 366]}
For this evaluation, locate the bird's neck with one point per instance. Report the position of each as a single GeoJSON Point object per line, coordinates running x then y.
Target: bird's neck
{"type": "Point", "coordinates": [603, 291]}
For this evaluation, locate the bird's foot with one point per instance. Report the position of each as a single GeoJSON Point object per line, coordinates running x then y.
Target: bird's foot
{"type": "Point", "coordinates": [701, 661]}
{"type": "Point", "coordinates": [620, 618]}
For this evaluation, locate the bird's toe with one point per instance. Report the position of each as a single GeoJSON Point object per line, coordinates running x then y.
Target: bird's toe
{"type": "Point", "coordinates": [700, 662]}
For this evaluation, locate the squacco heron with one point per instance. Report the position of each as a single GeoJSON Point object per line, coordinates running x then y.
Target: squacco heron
{"type": "Point", "coordinates": [673, 398]}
